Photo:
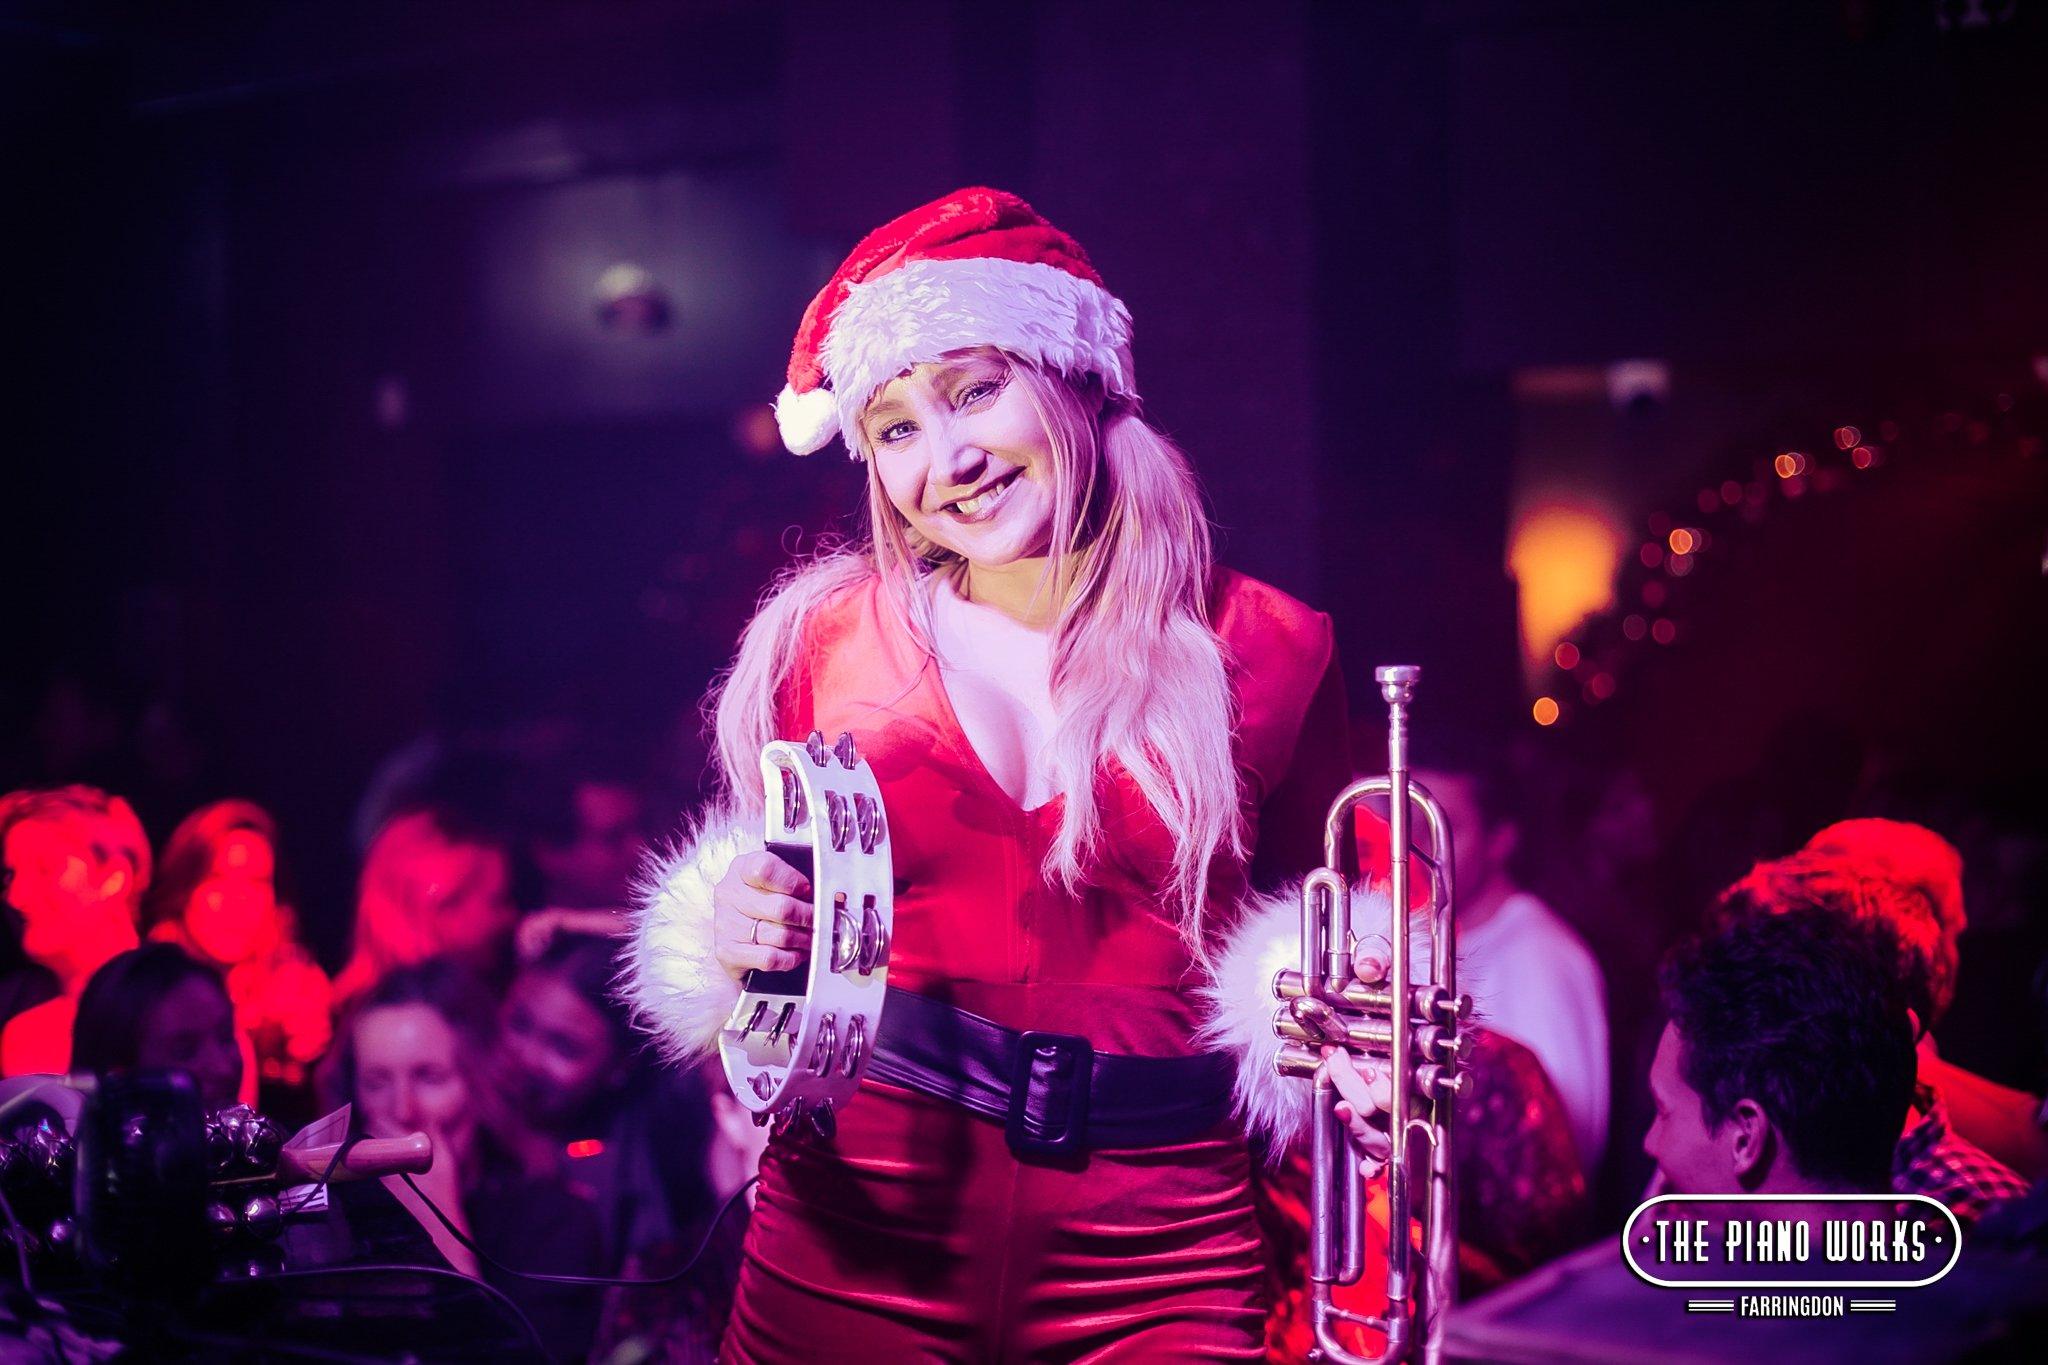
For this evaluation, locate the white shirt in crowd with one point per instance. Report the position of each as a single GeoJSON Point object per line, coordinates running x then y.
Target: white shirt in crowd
{"type": "Point", "coordinates": [1532, 979]}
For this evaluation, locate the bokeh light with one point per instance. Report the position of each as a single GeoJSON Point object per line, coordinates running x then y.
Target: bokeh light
{"type": "Point", "coordinates": [1563, 555]}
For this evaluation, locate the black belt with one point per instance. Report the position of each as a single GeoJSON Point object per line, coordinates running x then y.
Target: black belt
{"type": "Point", "coordinates": [1054, 1093]}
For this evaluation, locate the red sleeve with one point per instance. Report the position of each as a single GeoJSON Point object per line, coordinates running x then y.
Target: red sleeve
{"type": "Point", "coordinates": [1290, 839]}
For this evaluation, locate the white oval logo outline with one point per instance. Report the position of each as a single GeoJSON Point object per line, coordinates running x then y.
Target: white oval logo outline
{"type": "Point", "coordinates": [1628, 1252]}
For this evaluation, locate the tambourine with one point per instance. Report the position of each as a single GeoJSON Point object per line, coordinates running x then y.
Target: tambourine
{"type": "Point", "coordinates": [798, 1041]}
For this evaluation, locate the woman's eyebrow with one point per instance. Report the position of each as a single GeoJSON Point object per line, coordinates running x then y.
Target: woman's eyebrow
{"type": "Point", "coordinates": [978, 367]}
{"type": "Point", "coordinates": [882, 413]}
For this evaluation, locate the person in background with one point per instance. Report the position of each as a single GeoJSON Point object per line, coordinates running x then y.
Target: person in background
{"type": "Point", "coordinates": [1787, 1065]}
{"type": "Point", "coordinates": [415, 1055]}
{"type": "Point", "coordinates": [1907, 923]}
{"type": "Point", "coordinates": [74, 862]}
{"type": "Point", "coordinates": [156, 1008]}
{"type": "Point", "coordinates": [629, 1137]}
{"type": "Point", "coordinates": [432, 884]}
{"type": "Point", "coordinates": [585, 834]}
{"type": "Point", "coordinates": [1925, 908]}
{"type": "Point", "coordinates": [685, 1324]}
{"type": "Point", "coordinates": [1530, 975]}
{"type": "Point", "coordinates": [587, 838]}
{"type": "Point", "coordinates": [216, 895]}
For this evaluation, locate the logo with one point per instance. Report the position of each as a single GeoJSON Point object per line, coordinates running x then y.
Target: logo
{"type": "Point", "coordinates": [1774, 1245]}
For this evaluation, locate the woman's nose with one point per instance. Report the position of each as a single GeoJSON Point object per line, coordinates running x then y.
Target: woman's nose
{"type": "Point", "coordinates": [404, 1109]}
{"type": "Point", "coordinates": [958, 459]}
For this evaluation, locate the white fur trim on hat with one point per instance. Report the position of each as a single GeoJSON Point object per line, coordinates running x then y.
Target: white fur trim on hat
{"type": "Point", "coordinates": [926, 309]}
{"type": "Point", "coordinates": [1238, 1002]}
{"type": "Point", "coordinates": [806, 420]}
{"type": "Point", "coordinates": [676, 988]}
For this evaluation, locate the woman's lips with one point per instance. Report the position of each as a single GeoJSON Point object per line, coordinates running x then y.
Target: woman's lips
{"type": "Point", "coordinates": [983, 504]}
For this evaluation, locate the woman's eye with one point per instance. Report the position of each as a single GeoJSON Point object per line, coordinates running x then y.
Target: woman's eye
{"type": "Point", "coordinates": [975, 392]}
{"type": "Point", "coordinates": [894, 432]}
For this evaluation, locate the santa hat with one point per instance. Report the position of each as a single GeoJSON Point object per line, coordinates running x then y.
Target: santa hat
{"type": "Point", "coordinates": [977, 268]}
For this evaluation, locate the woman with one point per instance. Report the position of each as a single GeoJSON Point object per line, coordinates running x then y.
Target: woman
{"type": "Point", "coordinates": [629, 1138]}
{"type": "Point", "coordinates": [156, 1008]}
{"type": "Point", "coordinates": [73, 865]}
{"type": "Point", "coordinates": [415, 1058]}
{"type": "Point", "coordinates": [216, 896]}
{"type": "Point", "coordinates": [432, 884]}
{"type": "Point", "coordinates": [1090, 742]}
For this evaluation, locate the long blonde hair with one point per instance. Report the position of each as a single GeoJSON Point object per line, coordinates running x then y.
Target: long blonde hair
{"type": "Point", "coordinates": [1138, 673]}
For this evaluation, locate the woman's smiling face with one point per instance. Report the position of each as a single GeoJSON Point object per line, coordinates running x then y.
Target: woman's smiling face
{"type": "Point", "coordinates": [962, 454]}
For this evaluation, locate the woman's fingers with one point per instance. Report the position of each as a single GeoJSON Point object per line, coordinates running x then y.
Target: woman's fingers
{"type": "Point", "coordinates": [765, 872]}
{"type": "Point", "coordinates": [746, 957]}
{"type": "Point", "coordinates": [767, 933]}
{"type": "Point", "coordinates": [1369, 961]}
{"type": "Point", "coordinates": [746, 943]}
{"type": "Point", "coordinates": [761, 919]}
{"type": "Point", "coordinates": [1369, 1094]}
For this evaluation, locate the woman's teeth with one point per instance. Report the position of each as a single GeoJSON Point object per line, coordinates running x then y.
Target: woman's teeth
{"type": "Point", "coordinates": [982, 502]}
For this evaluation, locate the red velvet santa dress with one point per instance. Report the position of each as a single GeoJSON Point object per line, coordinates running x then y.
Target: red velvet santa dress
{"type": "Point", "coordinates": [914, 1233]}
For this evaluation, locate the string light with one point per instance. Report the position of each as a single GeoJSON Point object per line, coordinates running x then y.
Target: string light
{"type": "Point", "coordinates": [1674, 549]}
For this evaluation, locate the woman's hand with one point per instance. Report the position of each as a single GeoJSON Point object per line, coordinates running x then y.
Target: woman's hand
{"type": "Point", "coordinates": [760, 915]}
{"type": "Point", "coordinates": [539, 928]}
{"type": "Point", "coordinates": [1365, 1094]}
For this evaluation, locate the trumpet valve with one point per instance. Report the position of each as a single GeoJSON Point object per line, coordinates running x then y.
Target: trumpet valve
{"type": "Point", "coordinates": [1449, 1009]}
{"type": "Point", "coordinates": [1439, 1082]}
{"type": "Point", "coordinates": [1320, 1020]}
{"type": "Point", "coordinates": [1297, 1061]}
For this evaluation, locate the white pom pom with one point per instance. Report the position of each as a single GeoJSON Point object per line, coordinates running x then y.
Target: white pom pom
{"type": "Point", "coordinates": [807, 421]}
{"type": "Point", "coordinates": [1238, 1001]}
{"type": "Point", "coordinates": [670, 975]}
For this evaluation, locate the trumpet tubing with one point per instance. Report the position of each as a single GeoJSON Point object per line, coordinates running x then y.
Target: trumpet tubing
{"type": "Point", "coordinates": [1415, 1030]}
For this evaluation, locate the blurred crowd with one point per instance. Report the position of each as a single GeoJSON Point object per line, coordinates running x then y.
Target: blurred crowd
{"type": "Point", "coordinates": [475, 1006]}
{"type": "Point", "coordinates": [1777, 996]}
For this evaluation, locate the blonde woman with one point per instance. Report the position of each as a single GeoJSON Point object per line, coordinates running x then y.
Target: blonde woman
{"type": "Point", "coordinates": [1091, 743]}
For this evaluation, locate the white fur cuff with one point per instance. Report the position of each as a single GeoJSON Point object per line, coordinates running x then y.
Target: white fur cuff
{"type": "Point", "coordinates": [1238, 1002]}
{"type": "Point", "coordinates": [678, 992]}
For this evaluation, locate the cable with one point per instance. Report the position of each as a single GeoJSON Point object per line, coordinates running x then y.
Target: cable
{"type": "Point", "coordinates": [20, 1245]}
{"type": "Point", "coordinates": [341, 1150]}
{"type": "Point", "coordinates": [673, 1277]}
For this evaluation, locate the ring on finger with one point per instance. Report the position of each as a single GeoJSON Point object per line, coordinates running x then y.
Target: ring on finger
{"type": "Point", "coordinates": [754, 934]}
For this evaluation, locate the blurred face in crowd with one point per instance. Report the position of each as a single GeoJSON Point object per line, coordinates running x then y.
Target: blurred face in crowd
{"type": "Point", "coordinates": [233, 914]}
{"type": "Point", "coordinates": [410, 1079]}
{"type": "Point", "coordinates": [75, 889]}
{"type": "Point", "coordinates": [470, 897]}
{"type": "Point", "coordinates": [1693, 1156]}
{"type": "Point", "coordinates": [594, 869]}
{"type": "Point", "coordinates": [192, 1029]}
{"type": "Point", "coordinates": [562, 1053]}
{"type": "Point", "coordinates": [1482, 848]}
{"type": "Point", "coordinates": [961, 453]}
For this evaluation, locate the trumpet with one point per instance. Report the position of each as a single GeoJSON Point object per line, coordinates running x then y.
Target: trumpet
{"type": "Point", "coordinates": [1414, 1028]}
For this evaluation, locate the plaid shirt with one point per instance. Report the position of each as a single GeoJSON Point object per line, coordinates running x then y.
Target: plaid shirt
{"type": "Point", "coordinates": [1933, 1159]}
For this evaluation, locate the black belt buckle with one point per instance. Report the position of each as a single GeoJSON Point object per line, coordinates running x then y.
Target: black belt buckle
{"type": "Point", "coordinates": [1049, 1095]}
